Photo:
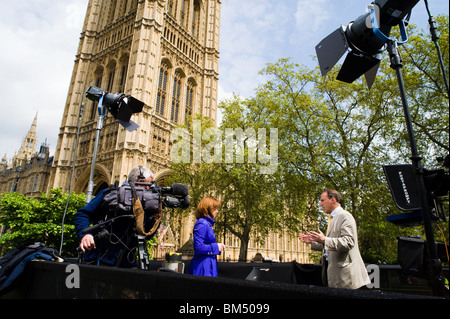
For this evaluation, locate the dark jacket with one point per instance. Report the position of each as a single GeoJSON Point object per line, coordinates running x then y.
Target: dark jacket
{"type": "Point", "coordinates": [206, 250]}
{"type": "Point", "coordinates": [121, 236]}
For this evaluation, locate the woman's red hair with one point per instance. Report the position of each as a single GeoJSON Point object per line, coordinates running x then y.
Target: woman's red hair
{"type": "Point", "coordinates": [206, 206]}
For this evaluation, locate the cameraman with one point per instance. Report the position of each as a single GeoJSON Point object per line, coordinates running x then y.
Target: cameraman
{"type": "Point", "coordinates": [121, 237]}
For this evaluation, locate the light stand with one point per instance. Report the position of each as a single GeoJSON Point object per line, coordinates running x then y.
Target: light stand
{"type": "Point", "coordinates": [101, 116]}
{"type": "Point", "coordinates": [122, 107]}
{"type": "Point", "coordinates": [224, 210]}
{"type": "Point", "coordinates": [434, 264]}
{"type": "Point", "coordinates": [435, 38]}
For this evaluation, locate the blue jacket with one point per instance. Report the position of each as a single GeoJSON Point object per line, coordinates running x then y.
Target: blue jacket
{"type": "Point", "coordinates": [206, 250]}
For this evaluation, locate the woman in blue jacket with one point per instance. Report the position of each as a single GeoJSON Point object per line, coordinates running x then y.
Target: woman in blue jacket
{"type": "Point", "coordinates": [206, 249]}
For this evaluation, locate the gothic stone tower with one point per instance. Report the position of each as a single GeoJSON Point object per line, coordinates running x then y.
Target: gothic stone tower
{"type": "Point", "coordinates": [165, 53]}
{"type": "Point", "coordinates": [28, 147]}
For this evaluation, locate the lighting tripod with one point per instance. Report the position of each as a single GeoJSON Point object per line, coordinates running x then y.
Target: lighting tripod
{"type": "Point", "coordinates": [434, 263]}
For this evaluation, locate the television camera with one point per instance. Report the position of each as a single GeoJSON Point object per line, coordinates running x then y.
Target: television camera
{"type": "Point", "coordinates": [120, 201]}
{"type": "Point", "coordinates": [175, 196]}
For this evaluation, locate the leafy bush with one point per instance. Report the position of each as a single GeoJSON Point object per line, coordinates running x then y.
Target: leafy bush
{"type": "Point", "coordinates": [30, 220]}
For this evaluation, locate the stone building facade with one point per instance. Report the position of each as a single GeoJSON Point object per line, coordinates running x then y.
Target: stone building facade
{"type": "Point", "coordinates": [163, 53]}
{"type": "Point", "coordinates": [28, 172]}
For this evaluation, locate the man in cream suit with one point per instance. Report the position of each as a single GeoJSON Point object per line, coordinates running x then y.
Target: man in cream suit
{"type": "Point", "coordinates": [346, 268]}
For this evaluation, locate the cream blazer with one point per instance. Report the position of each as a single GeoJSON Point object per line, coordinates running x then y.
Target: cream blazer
{"type": "Point", "coordinates": [346, 268]}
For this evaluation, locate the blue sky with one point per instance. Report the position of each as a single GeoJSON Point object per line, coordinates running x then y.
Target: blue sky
{"type": "Point", "coordinates": [40, 39]}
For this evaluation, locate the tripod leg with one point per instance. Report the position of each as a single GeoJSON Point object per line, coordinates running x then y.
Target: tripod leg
{"type": "Point", "coordinates": [143, 253]}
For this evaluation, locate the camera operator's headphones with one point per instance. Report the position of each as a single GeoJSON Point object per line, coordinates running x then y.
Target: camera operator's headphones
{"type": "Point", "coordinates": [141, 173]}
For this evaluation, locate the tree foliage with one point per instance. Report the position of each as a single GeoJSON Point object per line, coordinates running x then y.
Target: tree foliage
{"type": "Point", "coordinates": [427, 94]}
{"type": "Point", "coordinates": [249, 181]}
{"type": "Point", "coordinates": [30, 220]}
{"type": "Point", "coordinates": [234, 174]}
{"type": "Point", "coordinates": [332, 135]}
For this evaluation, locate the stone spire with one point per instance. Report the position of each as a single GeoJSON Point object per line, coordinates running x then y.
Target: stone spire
{"type": "Point", "coordinates": [28, 147]}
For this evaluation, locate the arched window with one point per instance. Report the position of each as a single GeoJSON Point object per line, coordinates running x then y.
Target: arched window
{"type": "Point", "coordinates": [162, 89]}
{"type": "Point", "coordinates": [176, 97]}
{"type": "Point", "coordinates": [98, 83]}
{"type": "Point", "coordinates": [123, 68]}
{"type": "Point", "coordinates": [189, 98]}
{"type": "Point", "coordinates": [112, 11]}
{"type": "Point", "coordinates": [124, 6]}
{"type": "Point", "coordinates": [196, 19]}
{"type": "Point", "coordinates": [170, 7]}
{"type": "Point", "coordinates": [184, 18]}
{"type": "Point", "coordinates": [111, 76]}
{"type": "Point", "coordinates": [123, 78]}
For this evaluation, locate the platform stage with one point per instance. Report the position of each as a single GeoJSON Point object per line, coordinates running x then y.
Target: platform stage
{"type": "Point", "coordinates": [236, 281]}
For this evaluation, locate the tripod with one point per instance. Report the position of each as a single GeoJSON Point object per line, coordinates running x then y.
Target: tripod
{"type": "Point", "coordinates": [143, 259]}
{"type": "Point", "coordinates": [434, 263]}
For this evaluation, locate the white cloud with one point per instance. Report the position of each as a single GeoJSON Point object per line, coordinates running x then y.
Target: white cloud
{"type": "Point", "coordinates": [40, 40]}
{"type": "Point", "coordinates": [311, 16]}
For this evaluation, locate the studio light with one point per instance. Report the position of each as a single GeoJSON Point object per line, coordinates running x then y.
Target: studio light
{"type": "Point", "coordinates": [363, 40]}
{"type": "Point", "coordinates": [121, 106]}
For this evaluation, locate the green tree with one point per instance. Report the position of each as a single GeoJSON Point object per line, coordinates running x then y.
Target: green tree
{"type": "Point", "coordinates": [332, 135]}
{"type": "Point", "coordinates": [248, 181]}
{"type": "Point", "coordinates": [186, 167]}
{"type": "Point", "coordinates": [234, 169]}
{"type": "Point", "coordinates": [40, 220]}
{"type": "Point", "coordinates": [427, 95]}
